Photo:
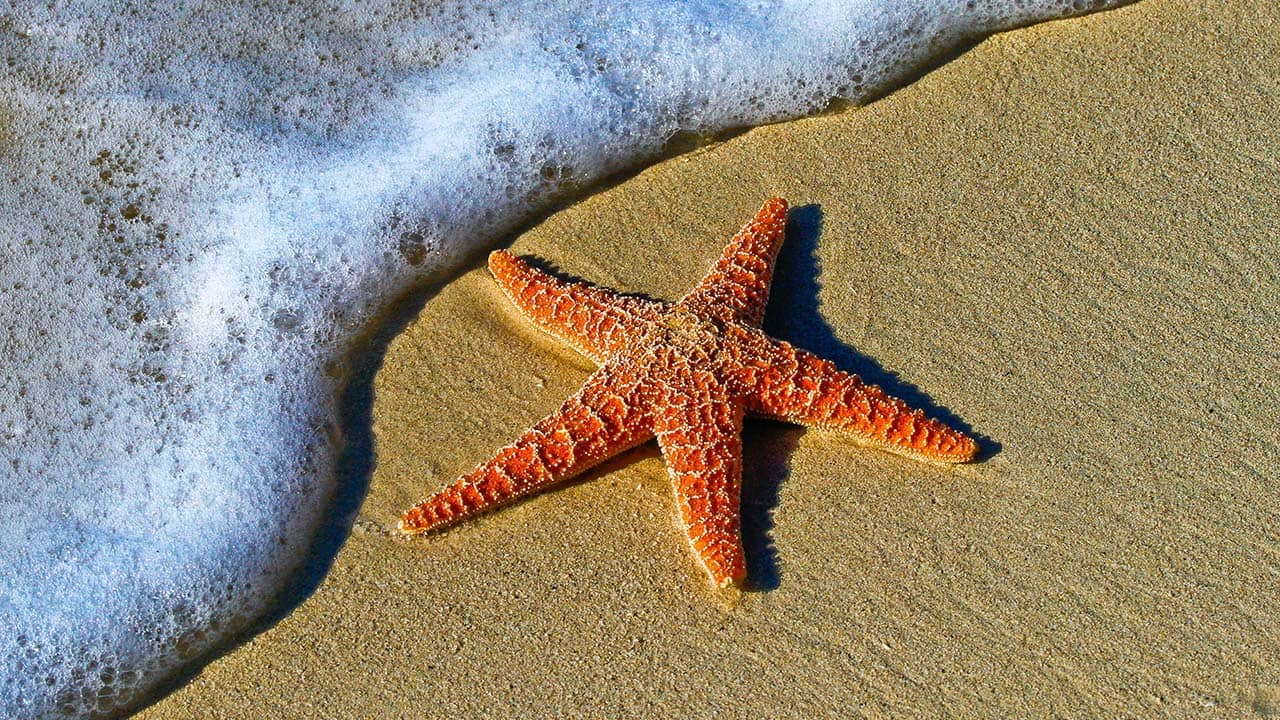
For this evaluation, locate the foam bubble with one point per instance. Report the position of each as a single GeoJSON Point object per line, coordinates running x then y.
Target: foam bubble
{"type": "Point", "coordinates": [205, 203]}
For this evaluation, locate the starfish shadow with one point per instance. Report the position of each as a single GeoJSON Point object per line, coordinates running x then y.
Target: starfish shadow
{"type": "Point", "coordinates": [553, 269]}
{"type": "Point", "coordinates": [801, 322]}
{"type": "Point", "coordinates": [765, 447]}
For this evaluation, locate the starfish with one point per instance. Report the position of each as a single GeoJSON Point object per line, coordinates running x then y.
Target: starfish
{"type": "Point", "coordinates": [686, 373]}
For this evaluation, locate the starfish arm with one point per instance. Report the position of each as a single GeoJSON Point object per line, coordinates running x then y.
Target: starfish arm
{"type": "Point", "coordinates": [700, 433]}
{"type": "Point", "coordinates": [596, 321]}
{"type": "Point", "coordinates": [740, 279]}
{"type": "Point", "coordinates": [784, 382]}
{"type": "Point", "coordinates": [605, 417]}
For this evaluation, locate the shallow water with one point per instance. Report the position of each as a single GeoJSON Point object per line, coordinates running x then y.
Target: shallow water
{"type": "Point", "coordinates": [205, 207]}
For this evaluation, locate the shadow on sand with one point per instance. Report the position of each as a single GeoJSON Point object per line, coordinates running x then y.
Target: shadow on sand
{"type": "Point", "coordinates": [794, 315]}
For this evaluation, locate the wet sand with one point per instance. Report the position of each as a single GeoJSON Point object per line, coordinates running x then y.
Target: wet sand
{"type": "Point", "coordinates": [1066, 240]}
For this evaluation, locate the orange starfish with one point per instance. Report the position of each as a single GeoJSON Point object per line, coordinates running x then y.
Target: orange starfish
{"type": "Point", "coordinates": [686, 373]}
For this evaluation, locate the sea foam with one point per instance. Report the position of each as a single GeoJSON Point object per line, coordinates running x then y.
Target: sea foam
{"type": "Point", "coordinates": [206, 203]}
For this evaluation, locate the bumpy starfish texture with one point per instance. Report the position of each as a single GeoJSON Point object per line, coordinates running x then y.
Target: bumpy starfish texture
{"type": "Point", "coordinates": [686, 373]}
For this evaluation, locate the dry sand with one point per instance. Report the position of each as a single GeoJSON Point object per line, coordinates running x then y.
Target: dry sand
{"type": "Point", "coordinates": [1068, 238]}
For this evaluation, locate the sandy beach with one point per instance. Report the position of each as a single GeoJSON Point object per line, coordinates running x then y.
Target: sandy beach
{"type": "Point", "coordinates": [1066, 240]}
